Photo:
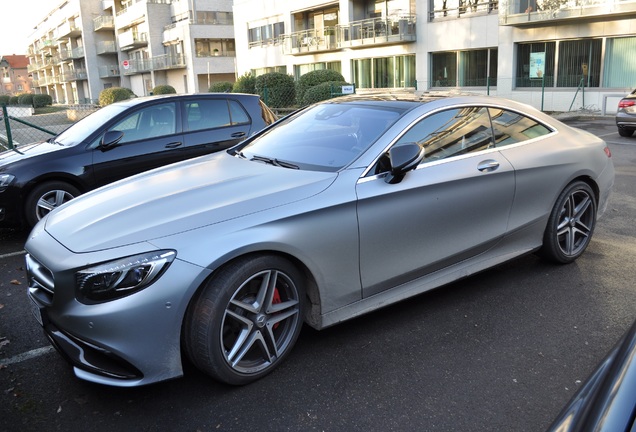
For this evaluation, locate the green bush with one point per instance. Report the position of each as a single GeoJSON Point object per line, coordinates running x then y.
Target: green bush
{"type": "Point", "coordinates": [314, 78]}
{"type": "Point", "coordinates": [25, 99]}
{"type": "Point", "coordinates": [221, 87]}
{"type": "Point", "coordinates": [114, 94]}
{"type": "Point", "coordinates": [245, 84]}
{"type": "Point", "coordinates": [4, 99]}
{"type": "Point", "coordinates": [13, 100]}
{"type": "Point", "coordinates": [276, 89]}
{"type": "Point", "coordinates": [163, 89]}
{"type": "Point", "coordinates": [42, 100]}
{"type": "Point", "coordinates": [322, 91]}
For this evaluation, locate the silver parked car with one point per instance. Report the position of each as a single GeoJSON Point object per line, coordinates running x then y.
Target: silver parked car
{"type": "Point", "coordinates": [344, 207]}
{"type": "Point", "coordinates": [626, 115]}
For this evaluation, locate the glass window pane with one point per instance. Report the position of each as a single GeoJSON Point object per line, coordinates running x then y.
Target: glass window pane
{"type": "Point", "coordinates": [523, 64]}
{"type": "Point", "coordinates": [206, 114]}
{"type": "Point", "coordinates": [579, 63]}
{"type": "Point", "coordinates": [237, 113]}
{"type": "Point", "coordinates": [620, 62]}
{"type": "Point", "coordinates": [511, 127]}
{"type": "Point", "coordinates": [444, 69]}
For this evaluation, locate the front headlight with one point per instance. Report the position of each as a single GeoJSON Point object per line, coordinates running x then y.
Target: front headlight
{"type": "Point", "coordinates": [5, 179]}
{"type": "Point", "coordinates": [116, 279]}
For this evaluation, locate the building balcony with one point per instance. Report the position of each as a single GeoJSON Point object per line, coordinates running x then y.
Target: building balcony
{"type": "Point", "coordinates": [104, 22]}
{"type": "Point", "coordinates": [109, 71]}
{"type": "Point", "coordinates": [74, 75]}
{"type": "Point", "coordinates": [168, 61]}
{"type": "Point", "coordinates": [63, 55]}
{"type": "Point", "coordinates": [308, 41]}
{"type": "Point", "coordinates": [68, 30]}
{"type": "Point", "coordinates": [136, 66]}
{"type": "Point", "coordinates": [106, 47]}
{"type": "Point", "coordinates": [523, 13]}
{"type": "Point", "coordinates": [131, 40]}
{"type": "Point", "coordinates": [77, 52]}
{"type": "Point", "coordinates": [450, 9]}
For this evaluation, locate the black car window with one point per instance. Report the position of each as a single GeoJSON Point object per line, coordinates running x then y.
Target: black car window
{"type": "Point", "coordinates": [148, 122]}
{"type": "Point", "coordinates": [207, 114]}
{"type": "Point", "coordinates": [511, 127]}
{"type": "Point", "coordinates": [451, 133]}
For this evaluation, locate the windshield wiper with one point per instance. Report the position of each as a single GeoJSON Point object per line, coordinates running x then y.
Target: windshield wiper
{"type": "Point", "coordinates": [274, 161]}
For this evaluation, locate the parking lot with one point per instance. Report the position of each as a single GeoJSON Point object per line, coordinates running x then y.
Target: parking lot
{"type": "Point", "coordinates": [502, 350]}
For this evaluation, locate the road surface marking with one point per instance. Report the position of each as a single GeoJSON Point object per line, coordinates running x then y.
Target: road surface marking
{"type": "Point", "coordinates": [26, 356]}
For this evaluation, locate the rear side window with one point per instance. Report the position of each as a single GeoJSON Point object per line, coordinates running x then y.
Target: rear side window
{"type": "Point", "coordinates": [511, 127]}
{"type": "Point", "coordinates": [237, 113]}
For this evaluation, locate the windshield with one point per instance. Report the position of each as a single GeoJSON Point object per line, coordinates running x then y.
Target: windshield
{"type": "Point", "coordinates": [81, 130]}
{"type": "Point", "coordinates": [326, 137]}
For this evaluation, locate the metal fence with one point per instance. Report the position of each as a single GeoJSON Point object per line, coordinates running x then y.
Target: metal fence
{"type": "Point", "coordinates": [23, 124]}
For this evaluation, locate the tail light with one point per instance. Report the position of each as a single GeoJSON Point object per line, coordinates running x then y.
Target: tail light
{"type": "Point", "coordinates": [625, 103]}
{"type": "Point", "coordinates": [608, 152]}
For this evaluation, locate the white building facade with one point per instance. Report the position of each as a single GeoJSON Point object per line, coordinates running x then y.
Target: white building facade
{"type": "Point", "coordinates": [557, 55]}
{"type": "Point", "coordinates": [82, 47]}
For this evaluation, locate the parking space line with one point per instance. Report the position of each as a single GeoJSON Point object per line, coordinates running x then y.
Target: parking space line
{"type": "Point", "coordinates": [12, 254]}
{"type": "Point", "coordinates": [26, 356]}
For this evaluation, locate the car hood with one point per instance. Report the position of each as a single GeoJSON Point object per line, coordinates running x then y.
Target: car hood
{"type": "Point", "coordinates": [28, 150]}
{"type": "Point", "coordinates": [177, 198]}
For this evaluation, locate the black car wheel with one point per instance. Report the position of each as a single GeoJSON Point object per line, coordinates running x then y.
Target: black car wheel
{"type": "Point", "coordinates": [246, 319]}
{"type": "Point", "coordinates": [625, 132]}
{"type": "Point", "coordinates": [571, 224]}
{"type": "Point", "coordinates": [46, 197]}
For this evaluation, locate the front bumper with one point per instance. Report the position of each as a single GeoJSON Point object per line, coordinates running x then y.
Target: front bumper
{"type": "Point", "coordinates": [131, 341]}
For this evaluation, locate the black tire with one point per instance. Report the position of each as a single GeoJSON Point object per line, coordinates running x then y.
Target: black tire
{"type": "Point", "coordinates": [46, 197]}
{"type": "Point", "coordinates": [625, 132]}
{"type": "Point", "coordinates": [571, 224]}
{"type": "Point", "coordinates": [246, 319]}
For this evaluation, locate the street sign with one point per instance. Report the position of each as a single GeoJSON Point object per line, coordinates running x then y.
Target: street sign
{"type": "Point", "coordinates": [125, 64]}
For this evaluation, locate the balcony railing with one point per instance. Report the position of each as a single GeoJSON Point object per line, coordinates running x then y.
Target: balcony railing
{"type": "Point", "coordinates": [168, 61]}
{"type": "Point", "coordinates": [136, 66]}
{"type": "Point", "coordinates": [104, 22]}
{"type": "Point", "coordinates": [106, 47]}
{"type": "Point", "coordinates": [131, 40]}
{"type": "Point", "coordinates": [68, 30]}
{"type": "Point", "coordinates": [356, 34]}
{"type": "Point", "coordinates": [74, 75]}
{"type": "Point", "coordinates": [533, 12]}
{"type": "Point", "coordinates": [108, 71]}
{"type": "Point", "coordinates": [77, 52]}
{"type": "Point", "coordinates": [459, 8]}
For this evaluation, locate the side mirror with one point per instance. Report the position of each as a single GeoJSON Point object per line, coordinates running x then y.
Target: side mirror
{"type": "Point", "coordinates": [110, 139]}
{"type": "Point", "coordinates": [404, 158]}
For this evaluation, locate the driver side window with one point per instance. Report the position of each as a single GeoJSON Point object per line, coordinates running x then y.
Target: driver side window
{"type": "Point", "coordinates": [452, 133]}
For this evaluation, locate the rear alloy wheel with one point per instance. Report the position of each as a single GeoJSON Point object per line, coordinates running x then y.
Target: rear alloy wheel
{"type": "Point", "coordinates": [625, 132]}
{"type": "Point", "coordinates": [246, 319]}
{"type": "Point", "coordinates": [571, 224]}
{"type": "Point", "coordinates": [46, 197]}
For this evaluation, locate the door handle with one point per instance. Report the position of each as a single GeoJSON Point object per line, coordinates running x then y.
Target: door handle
{"type": "Point", "coordinates": [488, 165]}
{"type": "Point", "coordinates": [238, 134]}
{"type": "Point", "coordinates": [173, 144]}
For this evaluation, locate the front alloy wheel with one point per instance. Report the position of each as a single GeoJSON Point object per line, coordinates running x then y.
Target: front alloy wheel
{"type": "Point", "coordinates": [246, 319]}
{"type": "Point", "coordinates": [571, 224]}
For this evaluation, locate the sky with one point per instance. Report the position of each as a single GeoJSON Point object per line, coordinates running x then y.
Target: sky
{"type": "Point", "coordinates": [17, 19]}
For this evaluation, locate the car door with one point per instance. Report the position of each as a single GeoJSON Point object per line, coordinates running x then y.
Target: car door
{"type": "Point", "coordinates": [454, 206]}
{"type": "Point", "coordinates": [151, 138]}
{"type": "Point", "coordinates": [212, 125]}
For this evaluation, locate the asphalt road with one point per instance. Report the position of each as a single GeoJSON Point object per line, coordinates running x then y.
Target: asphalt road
{"type": "Point", "coordinates": [503, 350]}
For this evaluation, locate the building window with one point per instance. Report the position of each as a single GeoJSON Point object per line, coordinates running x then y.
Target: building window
{"type": "Point", "coordinates": [215, 47]}
{"type": "Point", "coordinates": [300, 70]}
{"type": "Point", "coordinates": [263, 71]}
{"type": "Point", "coordinates": [620, 62]}
{"type": "Point", "coordinates": [384, 72]}
{"type": "Point", "coordinates": [214, 17]}
{"type": "Point", "coordinates": [579, 63]}
{"type": "Point", "coordinates": [475, 68]}
{"type": "Point", "coordinates": [523, 76]}
{"type": "Point", "coordinates": [266, 34]}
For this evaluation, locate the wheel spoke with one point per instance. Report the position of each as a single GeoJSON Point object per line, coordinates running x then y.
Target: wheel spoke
{"type": "Point", "coordinates": [45, 205]}
{"type": "Point", "coordinates": [240, 342]}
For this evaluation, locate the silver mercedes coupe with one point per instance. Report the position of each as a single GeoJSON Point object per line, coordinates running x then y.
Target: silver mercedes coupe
{"type": "Point", "coordinates": [334, 211]}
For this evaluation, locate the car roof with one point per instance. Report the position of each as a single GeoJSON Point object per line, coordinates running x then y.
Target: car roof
{"type": "Point", "coordinates": [401, 99]}
{"type": "Point", "coordinates": [143, 99]}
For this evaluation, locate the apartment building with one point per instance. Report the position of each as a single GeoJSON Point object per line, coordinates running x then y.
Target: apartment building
{"type": "Point", "coordinates": [14, 75]}
{"type": "Point", "coordinates": [554, 54]}
{"type": "Point", "coordinates": [82, 47]}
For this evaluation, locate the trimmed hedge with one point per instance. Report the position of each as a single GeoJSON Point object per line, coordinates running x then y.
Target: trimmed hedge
{"type": "Point", "coordinates": [322, 91]}
{"type": "Point", "coordinates": [4, 99]}
{"type": "Point", "coordinates": [245, 84]}
{"type": "Point", "coordinates": [313, 78]}
{"type": "Point", "coordinates": [276, 89]}
{"type": "Point", "coordinates": [13, 100]}
{"type": "Point", "coordinates": [42, 100]}
{"type": "Point", "coordinates": [114, 94]}
{"type": "Point", "coordinates": [25, 99]}
{"type": "Point", "coordinates": [221, 87]}
{"type": "Point", "coordinates": [163, 89]}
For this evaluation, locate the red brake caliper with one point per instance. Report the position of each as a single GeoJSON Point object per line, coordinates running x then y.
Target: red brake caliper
{"type": "Point", "coordinates": [275, 300]}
